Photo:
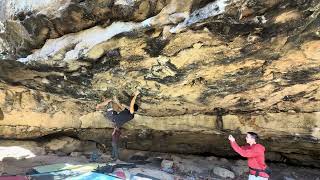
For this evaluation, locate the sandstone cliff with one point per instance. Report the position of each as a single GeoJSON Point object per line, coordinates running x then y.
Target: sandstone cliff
{"type": "Point", "coordinates": [204, 68]}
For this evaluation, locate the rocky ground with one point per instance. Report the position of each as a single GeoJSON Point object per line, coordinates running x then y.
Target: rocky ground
{"type": "Point", "coordinates": [17, 158]}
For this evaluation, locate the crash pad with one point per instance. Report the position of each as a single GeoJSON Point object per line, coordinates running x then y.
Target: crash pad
{"type": "Point", "coordinates": [140, 176]}
{"type": "Point", "coordinates": [55, 175]}
{"type": "Point", "coordinates": [13, 178]}
{"type": "Point", "coordinates": [121, 173]}
{"type": "Point", "coordinates": [53, 167]}
{"type": "Point", "coordinates": [66, 166]}
{"type": "Point", "coordinates": [93, 176]}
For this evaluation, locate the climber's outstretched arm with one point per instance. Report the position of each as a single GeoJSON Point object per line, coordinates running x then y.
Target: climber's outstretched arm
{"type": "Point", "coordinates": [133, 101]}
{"type": "Point", "coordinates": [117, 106]}
{"type": "Point", "coordinates": [103, 104]}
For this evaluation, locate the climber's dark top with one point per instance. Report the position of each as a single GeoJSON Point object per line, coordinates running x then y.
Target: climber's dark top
{"type": "Point", "coordinates": [119, 118]}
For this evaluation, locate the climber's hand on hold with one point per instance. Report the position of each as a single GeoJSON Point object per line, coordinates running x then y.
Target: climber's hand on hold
{"type": "Point", "coordinates": [231, 138]}
{"type": "Point", "coordinates": [136, 93]}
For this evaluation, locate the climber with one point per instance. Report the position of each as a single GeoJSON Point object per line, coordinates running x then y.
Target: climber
{"type": "Point", "coordinates": [118, 113]}
{"type": "Point", "coordinates": [255, 154]}
{"type": "Point", "coordinates": [115, 143]}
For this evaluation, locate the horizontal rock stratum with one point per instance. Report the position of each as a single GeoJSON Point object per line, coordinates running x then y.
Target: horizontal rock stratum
{"type": "Point", "coordinates": [205, 69]}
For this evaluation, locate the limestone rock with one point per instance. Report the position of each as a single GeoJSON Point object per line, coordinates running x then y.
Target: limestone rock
{"type": "Point", "coordinates": [224, 160]}
{"type": "Point", "coordinates": [153, 173]}
{"type": "Point", "coordinates": [212, 158]}
{"type": "Point", "coordinates": [105, 157]}
{"type": "Point", "coordinates": [70, 145]}
{"type": "Point", "coordinates": [273, 156]}
{"type": "Point", "coordinates": [20, 149]}
{"type": "Point", "coordinates": [240, 170]}
{"type": "Point", "coordinates": [223, 172]}
{"type": "Point", "coordinates": [75, 154]}
{"type": "Point", "coordinates": [259, 67]}
{"type": "Point", "coordinates": [64, 144]}
{"type": "Point", "coordinates": [288, 178]}
{"type": "Point", "coordinates": [1, 114]}
{"type": "Point", "coordinates": [192, 164]}
{"type": "Point", "coordinates": [166, 164]}
{"type": "Point", "coordinates": [241, 163]}
{"type": "Point", "coordinates": [28, 25]}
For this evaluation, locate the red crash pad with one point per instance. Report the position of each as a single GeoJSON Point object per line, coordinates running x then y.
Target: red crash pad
{"type": "Point", "coordinates": [13, 178]}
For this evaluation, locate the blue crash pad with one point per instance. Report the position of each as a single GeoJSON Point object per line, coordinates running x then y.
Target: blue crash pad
{"type": "Point", "coordinates": [93, 176]}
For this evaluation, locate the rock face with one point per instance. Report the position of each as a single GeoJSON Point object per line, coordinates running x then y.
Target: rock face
{"type": "Point", "coordinates": [204, 69]}
{"type": "Point", "coordinates": [223, 172]}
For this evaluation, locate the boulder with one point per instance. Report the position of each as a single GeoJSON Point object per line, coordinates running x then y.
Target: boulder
{"type": "Point", "coordinates": [64, 144]}
{"type": "Point", "coordinates": [240, 170]}
{"type": "Point", "coordinates": [222, 172]}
